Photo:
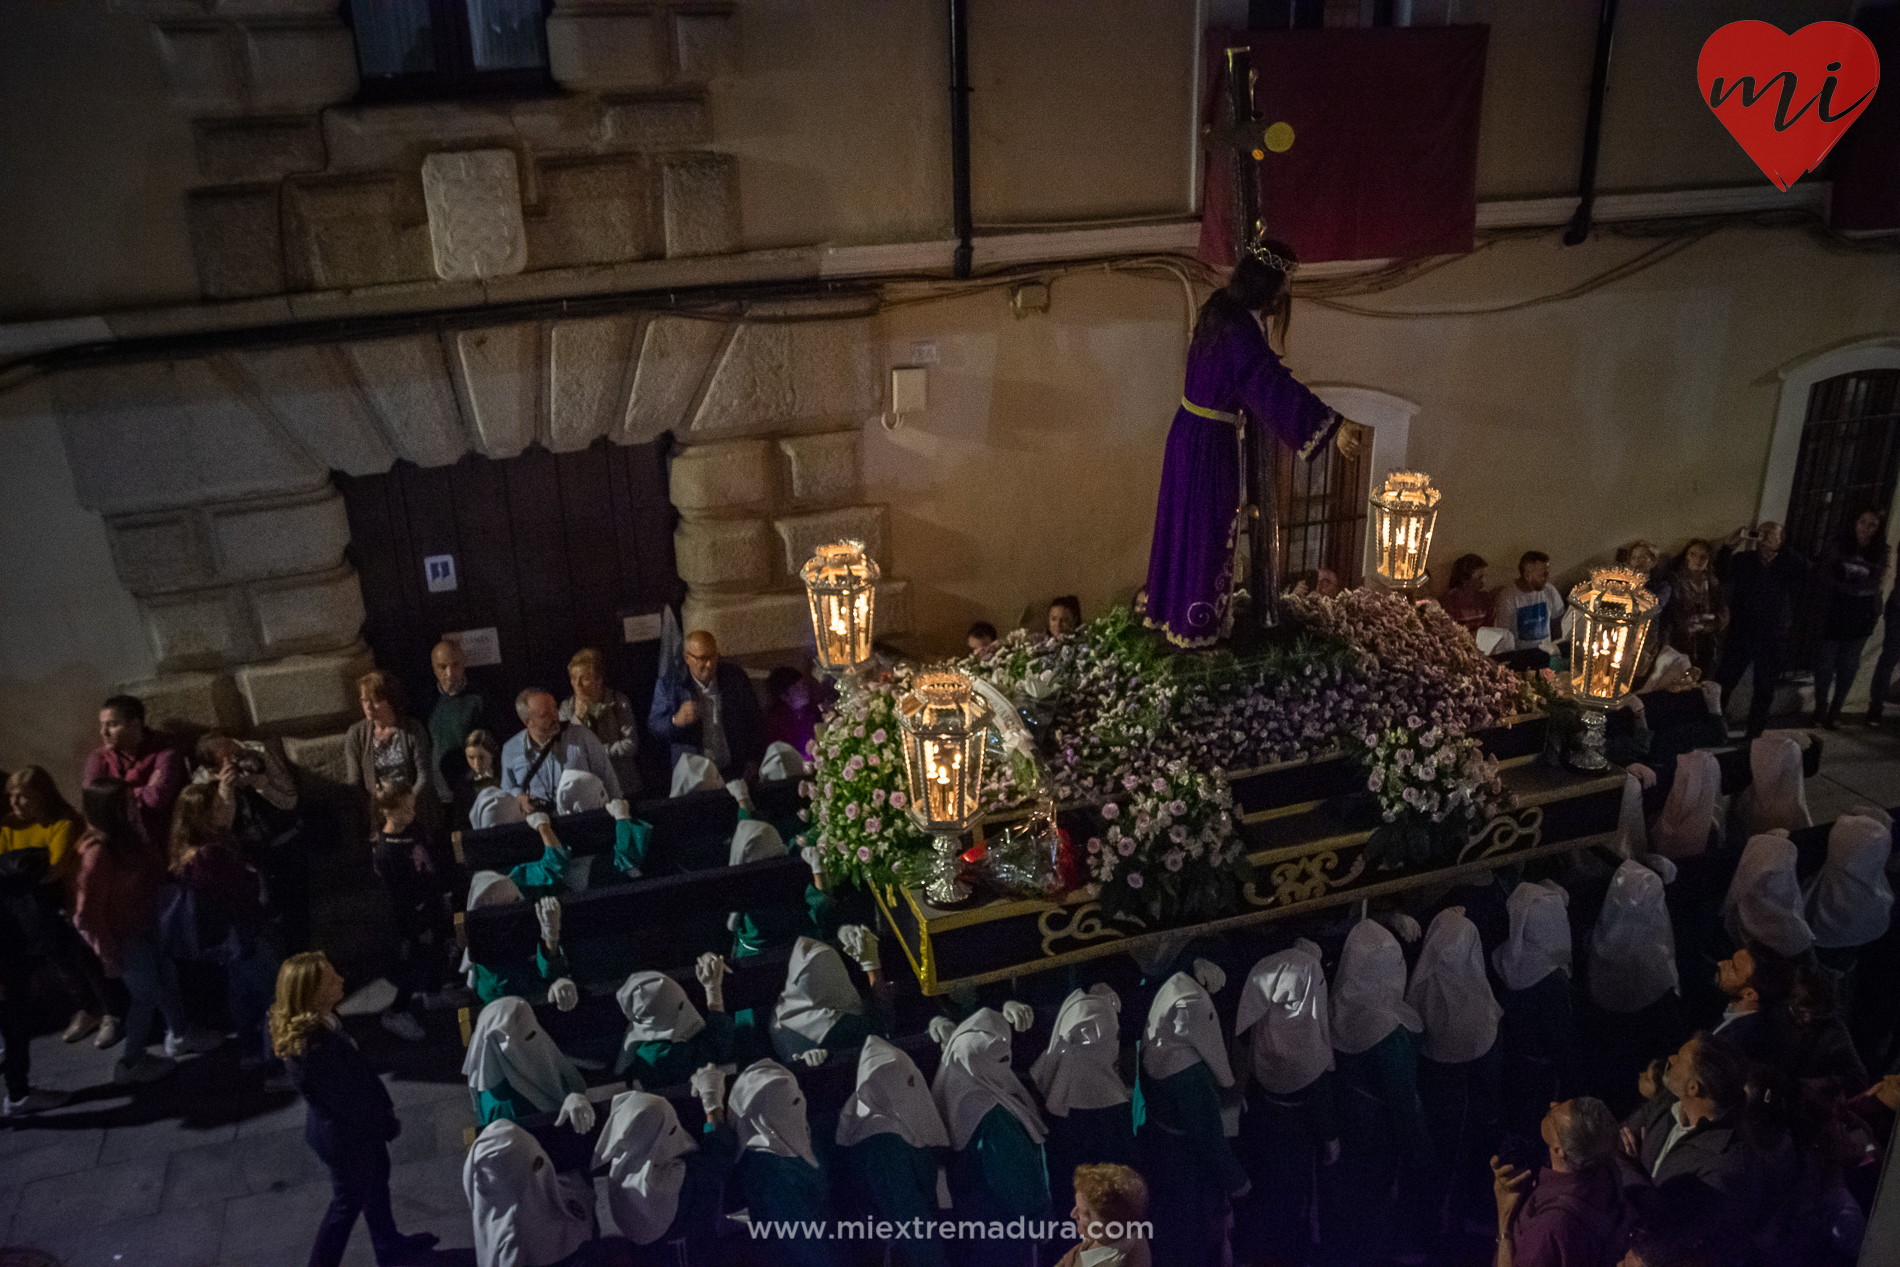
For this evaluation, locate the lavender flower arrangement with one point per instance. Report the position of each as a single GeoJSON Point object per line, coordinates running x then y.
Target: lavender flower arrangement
{"type": "Point", "coordinates": [1168, 850]}
{"type": "Point", "coordinates": [1433, 789]}
{"type": "Point", "coordinates": [858, 790]}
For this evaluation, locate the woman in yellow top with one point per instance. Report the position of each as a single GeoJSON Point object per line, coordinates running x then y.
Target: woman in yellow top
{"type": "Point", "coordinates": [38, 817]}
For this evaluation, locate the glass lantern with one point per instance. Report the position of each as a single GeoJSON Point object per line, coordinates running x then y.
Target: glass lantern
{"type": "Point", "coordinates": [1614, 615]}
{"type": "Point", "coordinates": [943, 722]}
{"type": "Point", "coordinates": [1404, 510]}
{"type": "Point", "coordinates": [841, 584]}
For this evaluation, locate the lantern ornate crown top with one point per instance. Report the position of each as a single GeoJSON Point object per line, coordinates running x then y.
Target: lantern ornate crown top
{"type": "Point", "coordinates": [1404, 510]}
{"type": "Point", "coordinates": [841, 585]}
{"type": "Point", "coordinates": [942, 721]}
{"type": "Point", "coordinates": [1614, 616]}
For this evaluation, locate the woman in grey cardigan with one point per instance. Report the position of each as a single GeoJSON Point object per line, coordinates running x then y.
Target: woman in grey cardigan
{"type": "Point", "coordinates": [389, 746]}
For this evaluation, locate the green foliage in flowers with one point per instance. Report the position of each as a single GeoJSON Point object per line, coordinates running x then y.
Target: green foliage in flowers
{"type": "Point", "coordinates": [1433, 790]}
{"type": "Point", "coordinates": [1168, 850]}
{"type": "Point", "coordinates": [859, 791]}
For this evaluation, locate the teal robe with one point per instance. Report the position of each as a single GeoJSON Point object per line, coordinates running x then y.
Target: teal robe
{"type": "Point", "coordinates": [1190, 1168]}
{"type": "Point", "coordinates": [759, 931]}
{"type": "Point", "coordinates": [544, 876]}
{"type": "Point", "coordinates": [883, 1177]}
{"type": "Point", "coordinates": [520, 977]}
{"type": "Point", "coordinates": [787, 1190]}
{"type": "Point", "coordinates": [500, 1101]}
{"type": "Point", "coordinates": [631, 836]}
{"type": "Point", "coordinates": [661, 1062]}
{"type": "Point", "coordinates": [1000, 1175]}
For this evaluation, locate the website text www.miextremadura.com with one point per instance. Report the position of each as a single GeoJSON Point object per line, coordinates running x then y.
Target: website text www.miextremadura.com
{"type": "Point", "coordinates": [949, 1230]}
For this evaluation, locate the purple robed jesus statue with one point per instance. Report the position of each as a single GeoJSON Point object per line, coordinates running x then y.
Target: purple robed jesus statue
{"type": "Point", "coordinates": [1233, 380]}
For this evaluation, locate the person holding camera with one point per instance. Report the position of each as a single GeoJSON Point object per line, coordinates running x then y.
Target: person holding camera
{"type": "Point", "coordinates": [533, 762]}
{"type": "Point", "coordinates": [1570, 1212]}
{"type": "Point", "coordinates": [262, 799]}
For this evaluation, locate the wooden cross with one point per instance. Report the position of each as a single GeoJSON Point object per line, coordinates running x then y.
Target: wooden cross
{"type": "Point", "coordinates": [1239, 137]}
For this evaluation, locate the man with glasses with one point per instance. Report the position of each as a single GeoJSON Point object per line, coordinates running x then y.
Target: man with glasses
{"type": "Point", "coordinates": [712, 711]}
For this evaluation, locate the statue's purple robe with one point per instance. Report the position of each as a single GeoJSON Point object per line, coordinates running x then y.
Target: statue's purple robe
{"type": "Point", "coordinates": [1190, 568]}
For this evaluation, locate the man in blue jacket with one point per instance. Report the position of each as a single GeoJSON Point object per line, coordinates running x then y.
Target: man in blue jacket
{"type": "Point", "coordinates": [711, 711]}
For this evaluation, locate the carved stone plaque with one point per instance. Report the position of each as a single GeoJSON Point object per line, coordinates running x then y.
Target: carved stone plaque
{"type": "Point", "coordinates": [474, 199]}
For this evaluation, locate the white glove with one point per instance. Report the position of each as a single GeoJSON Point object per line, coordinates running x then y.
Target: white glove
{"type": "Point", "coordinates": [711, 971]}
{"type": "Point", "coordinates": [709, 1084]}
{"type": "Point", "coordinates": [1644, 775]}
{"type": "Point", "coordinates": [1209, 975]}
{"type": "Point", "coordinates": [940, 1029]}
{"type": "Point", "coordinates": [1404, 927]}
{"type": "Point", "coordinates": [538, 820]}
{"type": "Point", "coordinates": [578, 1112]}
{"type": "Point", "coordinates": [811, 1059]}
{"type": "Point", "coordinates": [564, 994]}
{"type": "Point", "coordinates": [620, 809]}
{"type": "Point", "coordinates": [815, 859]}
{"type": "Point", "coordinates": [547, 913]}
{"type": "Point", "coordinates": [861, 944]}
{"type": "Point", "coordinates": [1019, 1015]}
{"type": "Point", "coordinates": [740, 793]}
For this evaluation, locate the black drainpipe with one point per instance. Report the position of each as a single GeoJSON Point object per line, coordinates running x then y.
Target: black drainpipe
{"type": "Point", "coordinates": [960, 135]}
{"type": "Point", "coordinates": [1593, 129]}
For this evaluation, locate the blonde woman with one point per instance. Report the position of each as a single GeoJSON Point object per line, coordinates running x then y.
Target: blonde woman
{"type": "Point", "coordinates": [351, 1119]}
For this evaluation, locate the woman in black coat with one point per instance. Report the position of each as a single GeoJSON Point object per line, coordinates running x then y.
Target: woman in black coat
{"type": "Point", "coordinates": [351, 1117]}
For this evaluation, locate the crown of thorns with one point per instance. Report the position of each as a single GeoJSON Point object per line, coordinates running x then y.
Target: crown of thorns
{"type": "Point", "coordinates": [1271, 260]}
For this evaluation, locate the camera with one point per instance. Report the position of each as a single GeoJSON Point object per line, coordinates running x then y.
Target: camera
{"type": "Point", "coordinates": [249, 763]}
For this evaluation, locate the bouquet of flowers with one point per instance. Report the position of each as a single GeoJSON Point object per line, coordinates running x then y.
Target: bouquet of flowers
{"type": "Point", "coordinates": [1433, 789]}
{"type": "Point", "coordinates": [858, 791]}
{"type": "Point", "coordinates": [1168, 850]}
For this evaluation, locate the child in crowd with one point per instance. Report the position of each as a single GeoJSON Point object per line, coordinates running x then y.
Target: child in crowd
{"type": "Point", "coordinates": [403, 861]}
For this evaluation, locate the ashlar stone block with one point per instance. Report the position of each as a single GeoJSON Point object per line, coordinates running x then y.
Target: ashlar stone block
{"type": "Point", "coordinates": [743, 626]}
{"type": "Point", "coordinates": [593, 212]}
{"type": "Point", "coordinates": [474, 201]}
{"type": "Point", "coordinates": [606, 52]}
{"type": "Point", "coordinates": [587, 366]}
{"type": "Point", "coordinates": [231, 151]}
{"type": "Point", "coordinates": [311, 391]}
{"type": "Point", "coordinates": [301, 66]}
{"type": "Point", "coordinates": [675, 354]}
{"type": "Point", "coordinates": [153, 435]}
{"type": "Point", "coordinates": [155, 554]}
{"type": "Point", "coordinates": [305, 691]}
{"type": "Point", "coordinates": [406, 381]}
{"type": "Point", "coordinates": [801, 535]}
{"type": "Point", "coordinates": [319, 762]}
{"type": "Point", "coordinates": [824, 468]}
{"type": "Point", "coordinates": [721, 476]}
{"type": "Point", "coordinates": [655, 125]}
{"type": "Point", "coordinates": [185, 702]}
{"type": "Point", "coordinates": [723, 553]}
{"type": "Point", "coordinates": [201, 66]}
{"type": "Point", "coordinates": [288, 539]}
{"type": "Point", "coordinates": [321, 613]}
{"type": "Point", "coordinates": [236, 241]}
{"type": "Point", "coordinates": [775, 374]}
{"type": "Point", "coordinates": [701, 194]}
{"type": "Point", "coordinates": [704, 45]}
{"type": "Point", "coordinates": [349, 231]}
{"type": "Point", "coordinates": [198, 629]}
{"type": "Point", "coordinates": [501, 377]}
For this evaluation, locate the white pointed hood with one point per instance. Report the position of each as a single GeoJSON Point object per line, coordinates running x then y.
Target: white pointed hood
{"type": "Point", "coordinates": [1368, 994]}
{"type": "Point", "coordinates": [1077, 1070]}
{"type": "Point", "coordinates": [892, 1098]}
{"type": "Point", "coordinates": [1184, 1028]}
{"type": "Point", "coordinates": [755, 840]}
{"type": "Point", "coordinates": [1778, 796]}
{"type": "Point", "coordinates": [1764, 897]}
{"type": "Point", "coordinates": [1451, 994]}
{"type": "Point", "coordinates": [976, 1076]}
{"type": "Point", "coordinates": [768, 1111]}
{"type": "Point", "coordinates": [781, 761]}
{"type": "Point", "coordinates": [657, 1009]}
{"type": "Point", "coordinates": [1286, 1009]}
{"type": "Point", "coordinates": [508, 1045]}
{"type": "Point", "coordinates": [643, 1150]}
{"type": "Point", "coordinates": [817, 992]}
{"type": "Point", "coordinates": [694, 773]}
{"type": "Point", "coordinates": [1851, 900]}
{"type": "Point", "coordinates": [1539, 943]}
{"type": "Point", "coordinates": [1682, 829]}
{"type": "Point", "coordinates": [1633, 947]}
{"type": "Point", "coordinates": [525, 1214]}
{"type": "Point", "coordinates": [579, 791]}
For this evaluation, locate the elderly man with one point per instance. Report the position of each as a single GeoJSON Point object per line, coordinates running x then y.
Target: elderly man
{"type": "Point", "coordinates": [534, 761]}
{"type": "Point", "coordinates": [145, 759]}
{"type": "Point", "coordinates": [1763, 585]}
{"type": "Point", "coordinates": [713, 713]}
{"type": "Point", "coordinates": [457, 713]}
{"type": "Point", "coordinates": [1572, 1214]}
